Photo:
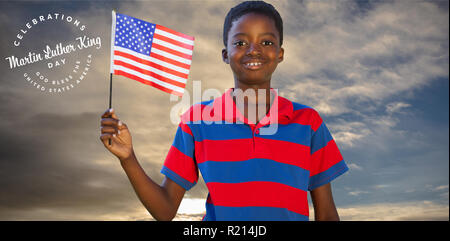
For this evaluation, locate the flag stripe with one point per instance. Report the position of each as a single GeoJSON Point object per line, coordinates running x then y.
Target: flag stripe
{"type": "Point", "coordinates": [171, 51]}
{"type": "Point", "coordinates": [173, 36]}
{"type": "Point", "coordinates": [174, 32]}
{"type": "Point", "coordinates": [172, 41]}
{"type": "Point", "coordinates": [172, 46]}
{"type": "Point", "coordinates": [149, 78]}
{"type": "Point", "coordinates": [149, 68]}
{"type": "Point", "coordinates": [171, 56]}
{"type": "Point", "coordinates": [149, 73]}
{"type": "Point", "coordinates": [169, 60]}
{"type": "Point", "coordinates": [154, 60]}
{"type": "Point", "coordinates": [152, 64]}
{"type": "Point", "coordinates": [147, 82]}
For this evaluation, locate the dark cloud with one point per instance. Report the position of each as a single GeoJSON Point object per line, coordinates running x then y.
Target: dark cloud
{"type": "Point", "coordinates": [46, 161]}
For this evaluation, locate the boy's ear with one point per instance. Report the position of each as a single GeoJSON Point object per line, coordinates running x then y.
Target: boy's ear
{"type": "Point", "coordinates": [281, 55]}
{"type": "Point", "coordinates": [225, 56]}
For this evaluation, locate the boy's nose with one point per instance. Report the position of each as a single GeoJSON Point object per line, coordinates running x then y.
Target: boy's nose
{"type": "Point", "coordinates": [254, 50]}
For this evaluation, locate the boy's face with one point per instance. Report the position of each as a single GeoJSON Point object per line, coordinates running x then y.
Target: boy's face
{"type": "Point", "coordinates": [253, 50]}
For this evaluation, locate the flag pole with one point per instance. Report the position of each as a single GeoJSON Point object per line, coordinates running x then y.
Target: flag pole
{"type": "Point", "coordinates": [110, 90]}
{"type": "Point", "coordinates": [113, 33]}
{"type": "Point", "coordinates": [110, 97]}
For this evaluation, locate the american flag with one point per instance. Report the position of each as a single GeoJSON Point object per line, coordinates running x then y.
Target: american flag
{"type": "Point", "coordinates": [150, 53]}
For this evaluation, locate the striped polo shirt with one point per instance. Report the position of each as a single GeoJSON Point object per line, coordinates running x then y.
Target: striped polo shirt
{"type": "Point", "coordinates": [253, 172]}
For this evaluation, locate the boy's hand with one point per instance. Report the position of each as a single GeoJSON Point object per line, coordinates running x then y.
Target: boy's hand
{"type": "Point", "coordinates": [114, 129]}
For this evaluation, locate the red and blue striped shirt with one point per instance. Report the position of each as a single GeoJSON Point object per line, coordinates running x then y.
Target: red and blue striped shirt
{"type": "Point", "coordinates": [249, 175]}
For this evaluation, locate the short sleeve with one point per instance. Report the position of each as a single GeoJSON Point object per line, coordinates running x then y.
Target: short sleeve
{"type": "Point", "coordinates": [180, 165]}
{"type": "Point", "coordinates": [327, 162]}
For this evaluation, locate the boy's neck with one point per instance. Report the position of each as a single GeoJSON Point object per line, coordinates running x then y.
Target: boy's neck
{"type": "Point", "coordinates": [253, 101]}
{"type": "Point", "coordinates": [258, 89]}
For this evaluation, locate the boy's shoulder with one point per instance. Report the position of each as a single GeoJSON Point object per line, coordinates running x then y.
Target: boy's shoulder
{"type": "Point", "coordinates": [195, 111]}
{"type": "Point", "coordinates": [304, 114]}
{"type": "Point", "coordinates": [202, 105]}
{"type": "Point", "coordinates": [298, 106]}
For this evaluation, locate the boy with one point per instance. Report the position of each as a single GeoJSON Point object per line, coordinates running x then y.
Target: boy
{"type": "Point", "coordinates": [249, 175]}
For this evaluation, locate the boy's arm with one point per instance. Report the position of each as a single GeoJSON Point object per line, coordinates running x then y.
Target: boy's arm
{"type": "Point", "coordinates": [163, 201]}
{"type": "Point", "coordinates": [324, 208]}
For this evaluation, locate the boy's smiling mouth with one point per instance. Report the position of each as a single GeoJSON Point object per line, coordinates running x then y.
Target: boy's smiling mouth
{"type": "Point", "coordinates": [253, 65]}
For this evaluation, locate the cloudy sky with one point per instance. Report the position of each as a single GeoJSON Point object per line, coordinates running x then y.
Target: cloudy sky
{"type": "Point", "coordinates": [377, 72]}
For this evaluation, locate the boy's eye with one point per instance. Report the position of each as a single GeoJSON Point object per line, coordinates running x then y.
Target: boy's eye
{"type": "Point", "coordinates": [267, 42]}
{"type": "Point", "coordinates": [239, 43]}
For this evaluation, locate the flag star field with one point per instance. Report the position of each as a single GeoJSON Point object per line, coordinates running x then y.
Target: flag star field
{"type": "Point", "coordinates": [134, 34]}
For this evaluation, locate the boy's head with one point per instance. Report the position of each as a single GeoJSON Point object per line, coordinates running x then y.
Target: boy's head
{"type": "Point", "coordinates": [258, 7]}
{"type": "Point", "coordinates": [253, 33]}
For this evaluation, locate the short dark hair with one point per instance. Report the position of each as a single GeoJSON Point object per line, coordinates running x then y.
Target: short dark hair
{"type": "Point", "coordinates": [259, 7]}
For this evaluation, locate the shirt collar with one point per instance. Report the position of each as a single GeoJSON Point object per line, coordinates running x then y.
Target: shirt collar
{"type": "Point", "coordinates": [281, 110]}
